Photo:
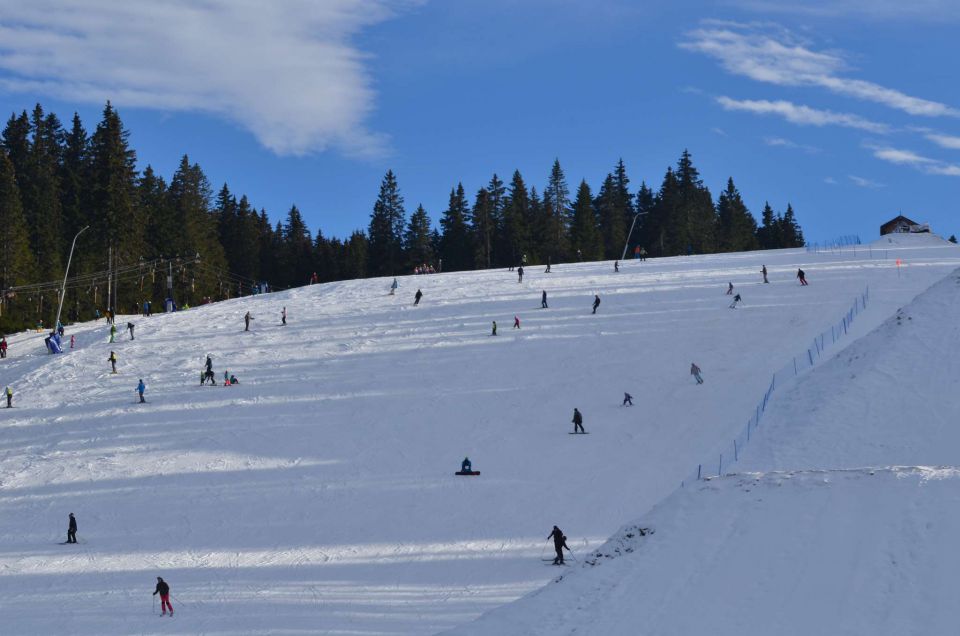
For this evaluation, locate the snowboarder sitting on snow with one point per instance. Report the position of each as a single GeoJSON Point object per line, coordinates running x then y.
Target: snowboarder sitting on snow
{"type": "Point", "coordinates": [113, 361]}
{"type": "Point", "coordinates": [627, 400]}
{"type": "Point", "coordinates": [466, 466]}
{"type": "Point", "coordinates": [234, 380]}
{"type": "Point", "coordinates": [736, 299]}
{"type": "Point", "coordinates": [417, 297]}
{"type": "Point", "coordinates": [577, 421]}
{"type": "Point", "coordinates": [695, 372]}
{"type": "Point", "coordinates": [596, 302]}
{"type": "Point", "coordinates": [141, 387]}
{"type": "Point", "coordinates": [559, 543]}
{"type": "Point", "coordinates": [164, 591]}
{"type": "Point", "coordinates": [72, 530]}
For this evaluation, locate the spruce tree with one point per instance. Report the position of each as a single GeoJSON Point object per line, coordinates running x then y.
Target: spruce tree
{"type": "Point", "coordinates": [695, 214]}
{"type": "Point", "coordinates": [456, 249]}
{"type": "Point", "coordinates": [385, 242]}
{"type": "Point", "coordinates": [73, 178]}
{"type": "Point", "coordinates": [736, 227]}
{"type": "Point", "coordinates": [496, 200]}
{"type": "Point", "coordinates": [585, 237]}
{"type": "Point", "coordinates": [418, 240]}
{"type": "Point", "coordinates": [953, 238]}
{"type": "Point", "coordinates": [557, 216]}
{"type": "Point", "coordinates": [297, 255]}
{"type": "Point", "coordinates": [17, 265]}
{"type": "Point", "coordinates": [768, 234]}
{"type": "Point", "coordinates": [790, 232]}
{"type": "Point", "coordinates": [483, 224]}
{"type": "Point", "coordinates": [644, 206]}
{"type": "Point", "coordinates": [613, 218]}
{"type": "Point", "coordinates": [516, 214]}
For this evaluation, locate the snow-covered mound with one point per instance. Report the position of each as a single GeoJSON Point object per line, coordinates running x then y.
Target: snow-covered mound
{"type": "Point", "coordinates": [847, 527]}
{"type": "Point", "coordinates": [318, 495]}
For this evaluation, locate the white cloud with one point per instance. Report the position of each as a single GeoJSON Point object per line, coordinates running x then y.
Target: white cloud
{"type": "Point", "coordinates": [719, 131]}
{"type": "Point", "coordinates": [910, 158]}
{"type": "Point", "coordinates": [287, 71]}
{"type": "Point", "coordinates": [788, 143]}
{"type": "Point", "coordinates": [802, 115]}
{"type": "Point", "coordinates": [863, 182]}
{"type": "Point", "coordinates": [787, 61]}
{"type": "Point", "coordinates": [944, 141]}
{"type": "Point", "coordinates": [830, 180]}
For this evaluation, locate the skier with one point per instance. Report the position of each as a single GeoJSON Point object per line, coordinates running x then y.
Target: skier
{"type": "Point", "coordinates": [113, 332]}
{"type": "Point", "coordinates": [164, 591]}
{"type": "Point", "coordinates": [520, 274]}
{"type": "Point", "coordinates": [3, 347]}
{"type": "Point", "coordinates": [596, 302]}
{"type": "Point", "coordinates": [547, 271]}
{"type": "Point", "coordinates": [9, 397]}
{"type": "Point", "coordinates": [130, 328]}
{"type": "Point", "coordinates": [113, 361]}
{"type": "Point", "coordinates": [393, 287]}
{"type": "Point", "coordinates": [616, 266]}
{"type": "Point", "coordinates": [494, 328]}
{"type": "Point", "coordinates": [736, 299]}
{"type": "Point", "coordinates": [627, 400]}
{"type": "Point", "coordinates": [246, 321]}
{"type": "Point", "coordinates": [764, 272]}
{"type": "Point", "coordinates": [643, 254]}
{"type": "Point", "coordinates": [559, 543]}
{"type": "Point", "coordinates": [516, 322]}
{"type": "Point", "coordinates": [72, 530]}
{"type": "Point", "coordinates": [695, 372]}
{"type": "Point", "coordinates": [729, 289]}
{"type": "Point", "coordinates": [466, 466]}
{"type": "Point", "coordinates": [543, 299]}
{"type": "Point", "coordinates": [141, 387]}
{"type": "Point", "coordinates": [313, 281]}
{"type": "Point", "coordinates": [283, 316]}
{"type": "Point", "coordinates": [73, 340]}
{"type": "Point", "coordinates": [577, 421]}
{"type": "Point", "coordinates": [208, 373]}
{"type": "Point", "coordinates": [417, 297]}
{"type": "Point", "coordinates": [802, 277]}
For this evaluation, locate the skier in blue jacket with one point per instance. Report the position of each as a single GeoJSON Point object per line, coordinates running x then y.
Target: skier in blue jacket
{"type": "Point", "coordinates": [141, 387]}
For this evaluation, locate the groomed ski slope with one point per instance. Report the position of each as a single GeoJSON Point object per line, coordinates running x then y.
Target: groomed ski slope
{"type": "Point", "coordinates": [318, 496]}
{"type": "Point", "coordinates": [843, 516]}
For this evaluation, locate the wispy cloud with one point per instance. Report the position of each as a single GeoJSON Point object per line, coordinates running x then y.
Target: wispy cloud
{"type": "Point", "coordinates": [802, 115]}
{"type": "Point", "coordinates": [719, 131]}
{"type": "Point", "coordinates": [915, 160]}
{"type": "Point", "coordinates": [944, 141]}
{"type": "Point", "coordinates": [830, 181]}
{"type": "Point", "coordinates": [780, 142]}
{"type": "Point", "coordinates": [288, 71]}
{"type": "Point", "coordinates": [786, 60]}
{"type": "Point", "coordinates": [864, 182]}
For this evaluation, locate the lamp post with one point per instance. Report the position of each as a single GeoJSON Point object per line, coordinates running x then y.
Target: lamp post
{"type": "Point", "coordinates": [63, 288]}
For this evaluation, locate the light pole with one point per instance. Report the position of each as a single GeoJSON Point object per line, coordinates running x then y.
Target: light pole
{"type": "Point", "coordinates": [630, 233]}
{"type": "Point", "coordinates": [63, 288]}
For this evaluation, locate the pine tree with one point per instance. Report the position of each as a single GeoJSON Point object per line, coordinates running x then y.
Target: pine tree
{"type": "Point", "coordinates": [585, 237]}
{"type": "Point", "coordinates": [483, 224]}
{"type": "Point", "coordinates": [496, 200]}
{"type": "Point", "coordinates": [516, 214]}
{"type": "Point", "coordinates": [953, 238]}
{"type": "Point", "coordinates": [660, 226]}
{"type": "Point", "coordinates": [73, 179]}
{"type": "Point", "coordinates": [768, 234]}
{"type": "Point", "coordinates": [354, 257]}
{"type": "Point", "coordinates": [418, 240]}
{"type": "Point", "coordinates": [612, 218]}
{"type": "Point", "coordinates": [557, 216]}
{"type": "Point", "coordinates": [736, 227]}
{"type": "Point", "coordinates": [790, 232]}
{"type": "Point", "coordinates": [17, 265]}
{"type": "Point", "coordinates": [643, 207]}
{"type": "Point", "coordinates": [695, 214]}
{"type": "Point", "coordinates": [456, 250]}
{"type": "Point", "coordinates": [385, 243]}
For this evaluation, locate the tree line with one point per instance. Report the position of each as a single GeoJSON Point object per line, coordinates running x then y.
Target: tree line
{"type": "Point", "coordinates": [57, 179]}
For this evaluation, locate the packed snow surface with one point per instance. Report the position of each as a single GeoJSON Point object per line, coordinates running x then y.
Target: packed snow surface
{"type": "Point", "coordinates": [318, 495]}
{"type": "Point", "coordinates": [842, 517]}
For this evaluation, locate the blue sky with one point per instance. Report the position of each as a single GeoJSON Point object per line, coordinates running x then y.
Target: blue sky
{"type": "Point", "coordinates": [848, 109]}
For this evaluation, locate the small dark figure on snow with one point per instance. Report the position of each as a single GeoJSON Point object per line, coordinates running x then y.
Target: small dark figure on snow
{"type": "Point", "coordinates": [616, 266]}
{"type": "Point", "coordinates": [141, 387]}
{"type": "Point", "coordinates": [543, 299]}
{"type": "Point", "coordinates": [9, 393]}
{"type": "Point", "coordinates": [72, 530]}
{"type": "Point", "coordinates": [466, 466]}
{"type": "Point", "coordinates": [283, 316]}
{"type": "Point", "coordinates": [516, 322]}
{"type": "Point", "coordinates": [695, 372]}
{"type": "Point", "coordinates": [3, 346]}
{"type": "Point", "coordinates": [130, 329]}
{"type": "Point", "coordinates": [417, 297]}
{"type": "Point", "coordinates": [113, 361]}
{"type": "Point", "coordinates": [596, 302]}
{"type": "Point", "coordinates": [577, 422]}
{"type": "Point", "coordinates": [736, 299]}
{"type": "Point", "coordinates": [520, 274]}
{"type": "Point", "coordinates": [802, 277]}
{"type": "Point", "coordinates": [208, 373]}
{"type": "Point", "coordinates": [764, 272]}
{"type": "Point", "coordinates": [246, 321]}
{"type": "Point", "coordinates": [729, 289]}
{"type": "Point", "coordinates": [559, 544]}
{"type": "Point", "coordinates": [627, 400]}
{"type": "Point", "coordinates": [164, 591]}
{"type": "Point", "coordinates": [547, 271]}
{"type": "Point", "coordinates": [494, 328]}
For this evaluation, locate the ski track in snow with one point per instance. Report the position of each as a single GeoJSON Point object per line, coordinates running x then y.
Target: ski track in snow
{"type": "Point", "coordinates": [318, 497]}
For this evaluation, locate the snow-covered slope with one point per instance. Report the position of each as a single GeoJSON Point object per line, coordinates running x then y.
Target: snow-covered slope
{"type": "Point", "coordinates": [843, 518]}
{"type": "Point", "coordinates": [318, 495]}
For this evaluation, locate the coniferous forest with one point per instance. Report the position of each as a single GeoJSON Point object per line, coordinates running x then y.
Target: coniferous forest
{"type": "Point", "coordinates": [150, 238]}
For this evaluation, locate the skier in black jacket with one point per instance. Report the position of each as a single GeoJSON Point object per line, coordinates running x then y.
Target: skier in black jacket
{"type": "Point", "coordinates": [72, 530]}
{"type": "Point", "coordinates": [543, 300]}
{"type": "Point", "coordinates": [596, 302]}
{"type": "Point", "coordinates": [164, 591]}
{"type": "Point", "coordinates": [577, 421]}
{"type": "Point", "coordinates": [559, 543]}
